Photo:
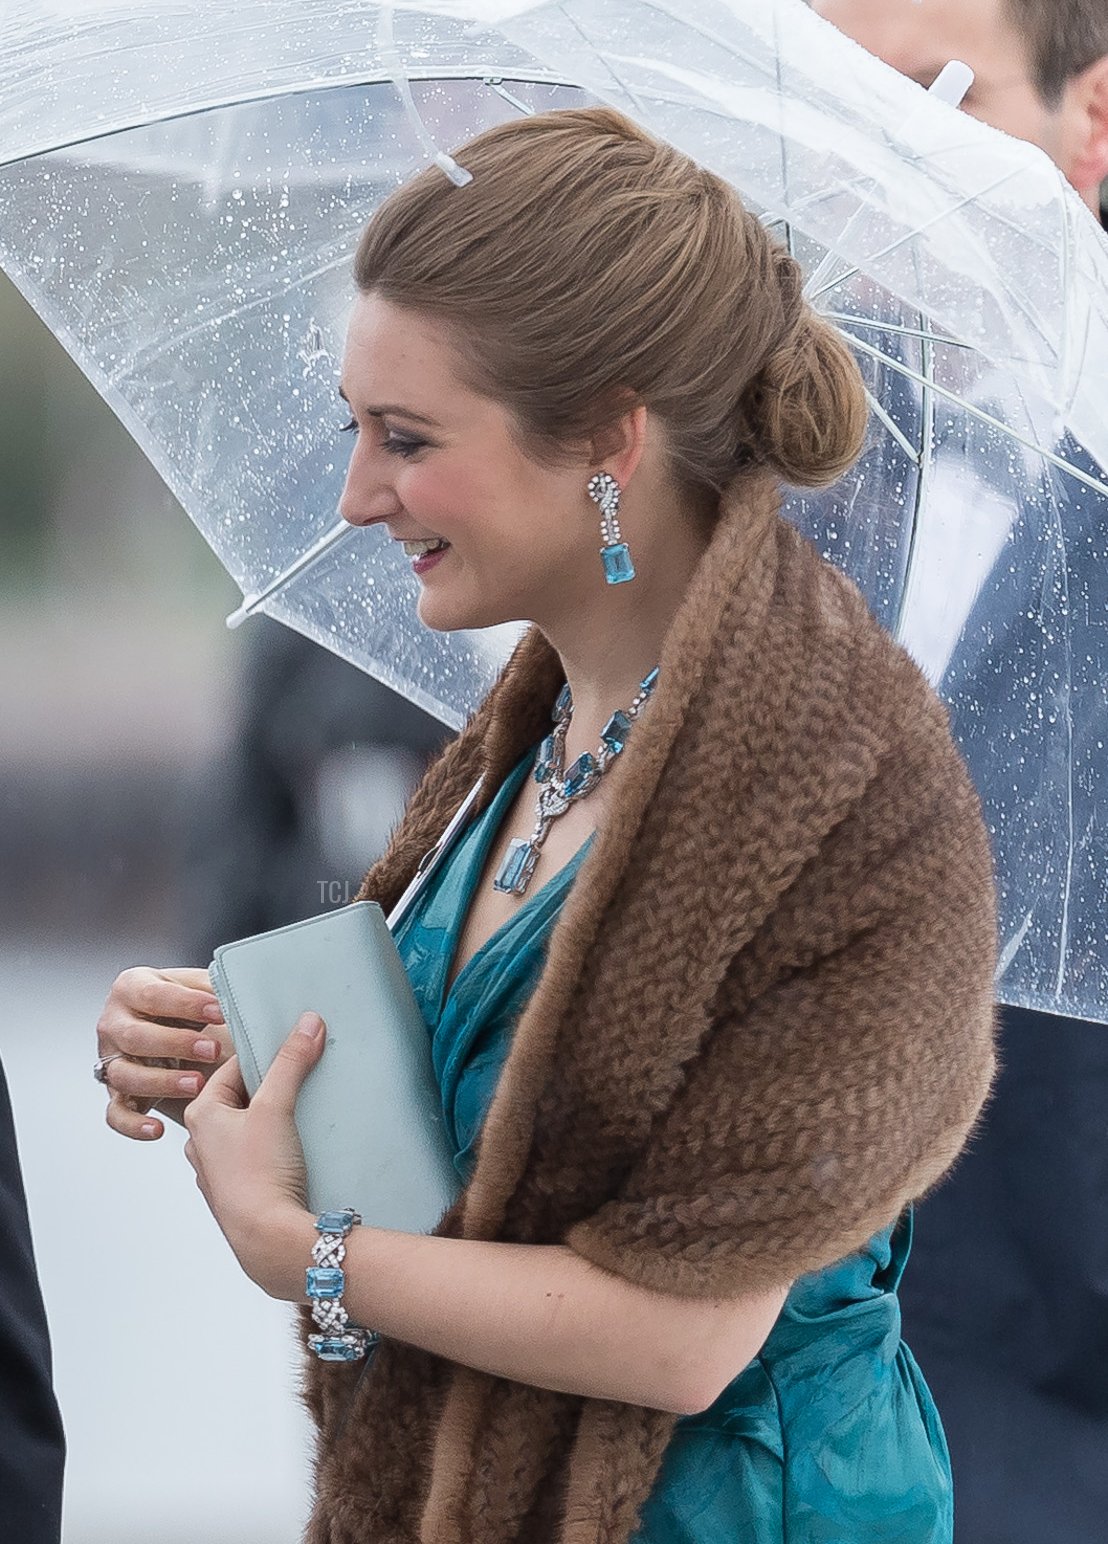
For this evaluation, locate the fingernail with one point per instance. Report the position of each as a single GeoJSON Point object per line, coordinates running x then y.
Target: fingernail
{"type": "Point", "coordinates": [149, 1129]}
{"type": "Point", "coordinates": [204, 1050]}
{"type": "Point", "coordinates": [190, 1083]}
{"type": "Point", "coordinates": [310, 1024]}
{"type": "Point", "coordinates": [213, 1013]}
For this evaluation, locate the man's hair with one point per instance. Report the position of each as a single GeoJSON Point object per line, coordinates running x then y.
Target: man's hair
{"type": "Point", "coordinates": [1065, 38]}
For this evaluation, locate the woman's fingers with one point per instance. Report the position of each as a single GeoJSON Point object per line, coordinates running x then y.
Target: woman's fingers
{"type": "Point", "coordinates": [139, 1081]}
{"type": "Point", "coordinates": [139, 1038]}
{"type": "Point", "coordinates": [132, 1120]}
{"type": "Point", "coordinates": [156, 1020]}
{"type": "Point", "coordinates": [163, 994]}
{"type": "Point", "coordinates": [147, 1014]}
{"type": "Point", "coordinates": [189, 975]}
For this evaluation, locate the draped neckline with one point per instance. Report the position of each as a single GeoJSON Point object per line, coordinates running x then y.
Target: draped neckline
{"type": "Point", "coordinates": [462, 873]}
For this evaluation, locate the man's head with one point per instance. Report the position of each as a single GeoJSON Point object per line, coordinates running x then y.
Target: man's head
{"type": "Point", "coordinates": [1041, 66]}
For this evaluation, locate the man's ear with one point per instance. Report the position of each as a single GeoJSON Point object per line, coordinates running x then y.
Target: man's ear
{"type": "Point", "coordinates": [1085, 109]}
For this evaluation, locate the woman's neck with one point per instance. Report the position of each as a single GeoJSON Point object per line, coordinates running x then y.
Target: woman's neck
{"type": "Point", "coordinates": [609, 644]}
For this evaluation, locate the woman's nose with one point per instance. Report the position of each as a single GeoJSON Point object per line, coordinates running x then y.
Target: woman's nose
{"type": "Point", "coordinates": [366, 500]}
{"type": "Point", "coordinates": [357, 515]}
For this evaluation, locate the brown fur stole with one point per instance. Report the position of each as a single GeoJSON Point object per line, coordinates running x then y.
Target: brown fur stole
{"type": "Point", "coordinates": [764, 1026]}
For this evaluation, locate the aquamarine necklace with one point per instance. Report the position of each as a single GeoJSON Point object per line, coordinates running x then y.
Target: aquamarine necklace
{"type": "Point", "coordinates": [558, 789]}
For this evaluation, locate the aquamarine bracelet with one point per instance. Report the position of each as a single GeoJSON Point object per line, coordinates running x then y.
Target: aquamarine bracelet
{"type": "Point", "coordinates": [338, 1340]}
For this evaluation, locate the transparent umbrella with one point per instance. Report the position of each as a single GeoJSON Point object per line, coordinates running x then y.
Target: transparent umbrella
{"type": "Point", "coordinates": [181, 189]}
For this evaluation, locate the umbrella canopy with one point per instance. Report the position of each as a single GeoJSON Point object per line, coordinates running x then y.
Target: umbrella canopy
{"type": "Point", "coordinates": [185, 220]}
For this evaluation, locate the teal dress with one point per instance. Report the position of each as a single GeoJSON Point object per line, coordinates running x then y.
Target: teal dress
{"type": "Point", "coordinates": [830, 1435]}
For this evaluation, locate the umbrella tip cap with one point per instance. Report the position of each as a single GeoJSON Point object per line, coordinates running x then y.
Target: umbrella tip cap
{"type": "Point", "coordinates": [952, 83]}
{"type": "Point", "coordinates": [237, 618]}
{"type": "Point", "coordinates": [457, 174]}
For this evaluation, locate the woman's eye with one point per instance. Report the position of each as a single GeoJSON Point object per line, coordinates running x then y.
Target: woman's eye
{"type": "Point", "coordinates": [395, 444]}
{"type": "Point", "coordinates": [403, 446]}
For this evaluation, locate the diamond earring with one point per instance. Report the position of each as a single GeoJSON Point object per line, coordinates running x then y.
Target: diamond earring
{"type": "Point", "coordinates": [605, 492]}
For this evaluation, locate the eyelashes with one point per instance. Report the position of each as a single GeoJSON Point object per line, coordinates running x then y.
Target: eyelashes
{"type": "Point", "coordinates": [394, 444]}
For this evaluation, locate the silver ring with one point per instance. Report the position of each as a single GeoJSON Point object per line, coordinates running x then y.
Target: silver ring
{"type": "Point", "coordinates": [100, 1068]}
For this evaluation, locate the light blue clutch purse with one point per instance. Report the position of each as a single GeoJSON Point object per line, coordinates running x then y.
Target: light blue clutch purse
{"type": "Point", "coordinates": [369, 1113]}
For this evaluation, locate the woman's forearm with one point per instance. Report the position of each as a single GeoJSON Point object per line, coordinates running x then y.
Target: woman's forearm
{"type": "Point", "coordinates": [543, 1315]}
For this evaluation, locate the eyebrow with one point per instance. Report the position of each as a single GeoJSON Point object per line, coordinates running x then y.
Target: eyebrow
{"type": "Point", "coordinates": [395, 410]}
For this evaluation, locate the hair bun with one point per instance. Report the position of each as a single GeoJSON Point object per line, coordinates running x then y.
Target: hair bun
{"type": "Point", "coordinates": [806, 413]}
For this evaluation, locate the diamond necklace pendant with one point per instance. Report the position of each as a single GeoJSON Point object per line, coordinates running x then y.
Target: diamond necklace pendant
{"type": "Point", "coordinates": [558, 789]}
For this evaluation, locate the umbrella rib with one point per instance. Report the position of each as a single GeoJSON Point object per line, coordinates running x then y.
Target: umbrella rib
{"type": "Point", "coordinates": [495, 83]}
{"type": "Point", "coordinates": [905, 332]}
{"type": "Point", "coordinates": [1072, 365]}
{"type": "Point", "coordinates": [829, 258]}
{"type": "Point", "coordinates": [894, 429]}
{"type": "Point", "coordinates": [390, 54]}
{"type": "Point", "coordinates": [379, 77]}
{"type": "Point", "coordinates": [208, 322]}
{"type": "Point", "coordinates": [943, 214]}
{"type": "Point", "coordinates": [1011, 949]}
{"type": "Point", "coordinates": [603, 57]}
{"type": "Point", "coordinates": [781, 138]}
{"type": "Point", "coordinates": [711, 36]}
{"type": "Point", "coordinates": [1030, 315]}
{"type": "Point", "coordinates": [1064, 570]}
{"type": "Point", "coordinates": [844, 318]}
{"type": "Point", "coordinates": [1063, 362]}
{"type": "Point", "coordinates": [758, 68]}
{"type": "Point", "coordinates": [256, 598]}
{"type": "Point", "coordinates": [1095, 483]}
{"type": "Point", "coordinates": [927, 448]}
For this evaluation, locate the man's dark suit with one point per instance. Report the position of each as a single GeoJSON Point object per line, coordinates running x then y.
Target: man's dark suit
{"type": "Point", "coordinates": [1006, 1295]}
{"type": "Point", "coordinates": [32, 1447]}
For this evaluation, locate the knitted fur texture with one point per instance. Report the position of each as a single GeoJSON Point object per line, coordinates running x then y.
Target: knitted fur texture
{"type": "Point", "coordinates": [765, 1025]}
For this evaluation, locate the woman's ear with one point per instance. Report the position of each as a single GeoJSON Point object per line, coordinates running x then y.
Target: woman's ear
{"type": "Point", "coordinates": [618, 447]}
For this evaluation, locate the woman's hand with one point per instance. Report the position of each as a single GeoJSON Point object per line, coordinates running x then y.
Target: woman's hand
{"type": "Point", "coordinates": [250, 1165]}
{"type": "Point", "coordinates": [169, 1027]}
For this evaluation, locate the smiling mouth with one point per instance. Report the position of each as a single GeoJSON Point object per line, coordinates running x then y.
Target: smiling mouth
{"type": "Point", "coordinates": [421, 549]}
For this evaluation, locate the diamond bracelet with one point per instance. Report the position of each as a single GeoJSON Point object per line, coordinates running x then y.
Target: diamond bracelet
{"type": "Point", "coordinates": [325, 1282]}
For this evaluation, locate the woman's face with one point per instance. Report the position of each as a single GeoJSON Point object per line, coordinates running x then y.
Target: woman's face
{"type": "Point", "coordinates": [433, 459]}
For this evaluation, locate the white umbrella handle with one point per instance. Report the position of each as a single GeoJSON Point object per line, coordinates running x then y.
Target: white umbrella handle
{"type": "Point", "coordinates": [952, 83]}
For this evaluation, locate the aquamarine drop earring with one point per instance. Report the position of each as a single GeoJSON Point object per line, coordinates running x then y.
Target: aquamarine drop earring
{"type": "Point", "coordinates": [605, 491]}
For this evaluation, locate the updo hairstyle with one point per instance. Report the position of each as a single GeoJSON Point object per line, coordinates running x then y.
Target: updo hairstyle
{"type": "Point", "coordinates": [587, 260]}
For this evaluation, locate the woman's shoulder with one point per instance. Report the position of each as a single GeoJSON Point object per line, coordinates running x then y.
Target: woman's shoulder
{"type": "Point", "coordinates": [868, 706]}
{"type": "Point", "coordinates": [832, 615]}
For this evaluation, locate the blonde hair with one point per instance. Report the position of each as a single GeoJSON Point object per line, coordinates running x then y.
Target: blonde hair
{"type": "Point", "coordinates": [587, 260]}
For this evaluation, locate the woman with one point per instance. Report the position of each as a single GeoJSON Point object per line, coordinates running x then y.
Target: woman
{"type": "Point", "coordinates": [708, 1013]}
